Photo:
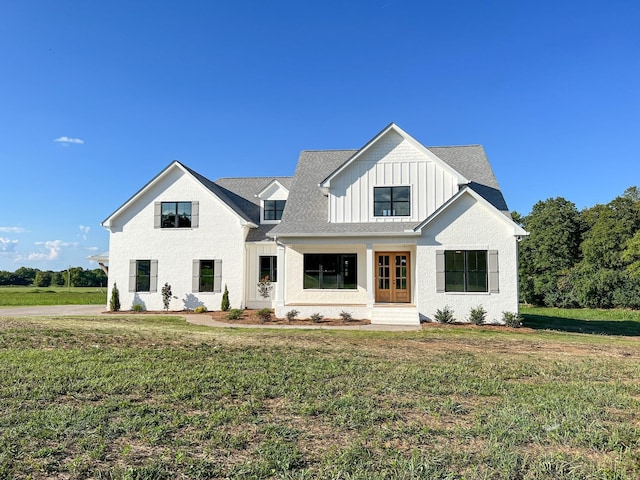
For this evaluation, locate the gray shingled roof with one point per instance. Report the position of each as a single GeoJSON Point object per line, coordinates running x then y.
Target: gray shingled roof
{"type": "Point", "coordinates": [472, 162]}
{"type": "Point", "coordinates": [306, 210]}
{"type": "Point", "coordinates": [240, 194]}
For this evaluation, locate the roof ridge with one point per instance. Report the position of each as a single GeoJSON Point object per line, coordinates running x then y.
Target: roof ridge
{"type": "Point", "coordinates": [455, 146]}
{"type": "Point", "coordinates": [332, 150]}
{"type": "Point", "coordinates": [253, 178]}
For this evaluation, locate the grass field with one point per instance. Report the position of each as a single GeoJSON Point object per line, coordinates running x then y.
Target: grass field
{"type": "Point", "coordinates": [30, 296]}
{"type": "Point", "coordinates": [152, 398]}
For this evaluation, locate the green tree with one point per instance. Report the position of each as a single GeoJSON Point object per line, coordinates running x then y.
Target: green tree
{"type": "Point", "coordinates": [606, 276]}
{"type": "Point", "coordinates": [225, 305]}
{"type": "Point", "coordinates": [24, 276]}
{"type": "Point", "coordinates": [42, 279]}
{"type": "Point", "coordinates": [550, 251]}
{"type": "Point", "coordinates": [57, 279]}
{"type": "Point", "coordinates": [114, 303]}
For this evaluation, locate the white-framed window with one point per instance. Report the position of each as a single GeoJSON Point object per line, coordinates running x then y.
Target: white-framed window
{"type": "Point", "coordinates": [272, 209]}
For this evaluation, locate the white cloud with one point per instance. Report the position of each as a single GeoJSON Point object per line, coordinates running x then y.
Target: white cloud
{"type": "Point", "coordinates": [67, 140]}
{"type": "Point", "coordinates": [7, 245]}
{"type": "Point", "coordinates": [85, 231]}
{"type": "Point", "coordinates": [12, 229]}
{"type": "Point", "coordinates": [53, 247]}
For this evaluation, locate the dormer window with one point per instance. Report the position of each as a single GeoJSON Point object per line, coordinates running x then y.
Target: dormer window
{"type": "Point", "coordinates": [273, 209]}
{"type": "Point", "coordinates": [391, 201]}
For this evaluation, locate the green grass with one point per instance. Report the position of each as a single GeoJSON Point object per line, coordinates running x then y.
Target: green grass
{"type": "Point", "coordinates": [31, 296]}
{"type": "Point", "coordinates": [583, 320]}
{"type": "Point", "coordinates": [152, 397]}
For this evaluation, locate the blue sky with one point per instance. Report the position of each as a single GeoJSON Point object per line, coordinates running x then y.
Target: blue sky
{"type": "Point", "coordinates": [96, 98]}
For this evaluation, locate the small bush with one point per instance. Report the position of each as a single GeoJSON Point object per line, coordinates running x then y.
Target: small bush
{"type": "Point", "coordinates": [316, 318]}
{"type": "Point", "coordinates": [445, 315]}
{"type": "Point", "coordinates": [346, 316]}
{"type": "Point", "coordinates": [291, 315]}
{"type": "Point", "coordinates": [234, 314]}
{"type": "Point", "coordinates": [137, 307]}
{"type": "Point", "coordinates": [200, 309]}
{"type": "Point", "coordinates": [166, 296]}
{"type": "Point", "coordinates": [114, 303]}
{"type": "Point", "coordinates": [264, 314]}
{"type": "Point", "coordinates": [511, 319]}
{"type": "Point", "coordinates": [225, 305]}
{"type": "Point", "coordinates": [478, 315]}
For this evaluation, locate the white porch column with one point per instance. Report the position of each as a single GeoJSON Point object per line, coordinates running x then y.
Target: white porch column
{"type": "Point", "coordinates": [282, 279]}
{"type": "Point", "coordinates": [371, 278]}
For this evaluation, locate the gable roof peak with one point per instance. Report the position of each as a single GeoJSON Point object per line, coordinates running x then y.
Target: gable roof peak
{"type": "Point", "coordinates": [461, 179]}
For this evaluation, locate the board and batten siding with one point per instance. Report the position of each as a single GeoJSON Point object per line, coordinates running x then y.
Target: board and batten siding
{"type": "Point", "coordinates": [393, 161]}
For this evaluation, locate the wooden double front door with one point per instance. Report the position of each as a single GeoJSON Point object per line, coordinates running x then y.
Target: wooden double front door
{"type": "Point", "coordinates": [393, 277]}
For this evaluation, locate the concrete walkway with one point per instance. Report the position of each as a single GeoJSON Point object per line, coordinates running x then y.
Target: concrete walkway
{"type": "Point", "coordinates": [202, 319]}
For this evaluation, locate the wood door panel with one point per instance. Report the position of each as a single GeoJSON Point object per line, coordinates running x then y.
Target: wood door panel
{"type": "Point", "coordinates": [393, 275]}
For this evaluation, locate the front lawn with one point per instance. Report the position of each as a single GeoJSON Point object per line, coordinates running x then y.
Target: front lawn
{"type": "Point", "coordinates": [152, 397]}
{"type": "Point", "coordinates": [32, 296]}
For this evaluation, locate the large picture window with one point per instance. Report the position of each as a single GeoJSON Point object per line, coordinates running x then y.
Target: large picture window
{"type": "Point", "coordinates": [391, 201]}
{"type": "Point", "coordinates": [466, 271]}
{"type": "Point", "coordinates": [328, 270]}
{"type": "Point", "coordinates": [269, 268]}
{"type": "Point", "coordinates": [176, 215]}
{"type": "Point", "coordinates": [273, 209]}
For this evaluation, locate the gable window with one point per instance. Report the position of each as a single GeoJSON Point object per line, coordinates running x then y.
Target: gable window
{"type": "Point", "coordinates": [175, 215]}
{"type": "Point", "coordinates": [143, 275]}
{"type": "Point", "coordinates": [269, 268]}
{"type": "Point", "coordinates": [466, 271]}
{"type": "Point", "coordinates": [273, 209]}
{"type": "Point", "coordinates": [391, 201]}
{"type": "Point", "coordinates": [328, 270]}
{"type": "Point", "coordinates": [207, 275]}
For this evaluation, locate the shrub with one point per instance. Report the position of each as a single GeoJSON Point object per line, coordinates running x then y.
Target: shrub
{"type": "Point", "coordinates": [346, 316]}
{"type": "Point", "coordinates": [137, 307]}
{"type": "Point", "coordinates": [316, 317]}
{"type": "Point", "coordinates": [264, 287]}
{"type": "Point", "coordinates": [511, 319]}
{"type": "Point", "coordinates": [234, 314]}
{"type": "Point", "coordinates": [264, 314]}
{"type": "Point", "coordinates": [225, 305]}
{"type": "Point", "coordinates": [291, 315]}
{"type": "Point", "coordinates": [166, 296]}
{"type": "Point", "coordinates": [114, 303]}
{"type": "Point", "coordinates": [477, 315]}
{"type": "Point", "coordinates": [200, 309]}
{"type": "Point", "coordinates": [445, 315]}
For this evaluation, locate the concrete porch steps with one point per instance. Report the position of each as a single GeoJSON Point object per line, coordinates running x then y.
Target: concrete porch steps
{"type": "Point", "coordinates": [395, 314]}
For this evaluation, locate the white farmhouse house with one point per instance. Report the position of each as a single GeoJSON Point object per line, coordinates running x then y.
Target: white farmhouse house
{"type": "Point", "coordinates": [391, 232]}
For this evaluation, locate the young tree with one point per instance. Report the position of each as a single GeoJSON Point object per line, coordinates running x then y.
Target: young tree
{"type": "Point", "coordinates": [166, 296]}
{"type": "Point", "coordinates": [225, 305]}
{"type": "Point", "coordinates": [114, 303]}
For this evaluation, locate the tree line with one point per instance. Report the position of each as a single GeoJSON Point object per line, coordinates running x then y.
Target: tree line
{"type": "Point", "coordinates": [79, 277]}
{"type": "Point", "coordinates": [588, 258]}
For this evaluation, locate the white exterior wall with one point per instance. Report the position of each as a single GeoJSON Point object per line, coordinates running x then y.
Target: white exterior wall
{"type": "Point", "coordinates": [391, 161]}
{"type": "Point", "coordinates": [467, 225]}
{"type": "Point", "coordinates": [253, 253]}
{"type": "Point", "coordinates": [219, 235]}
